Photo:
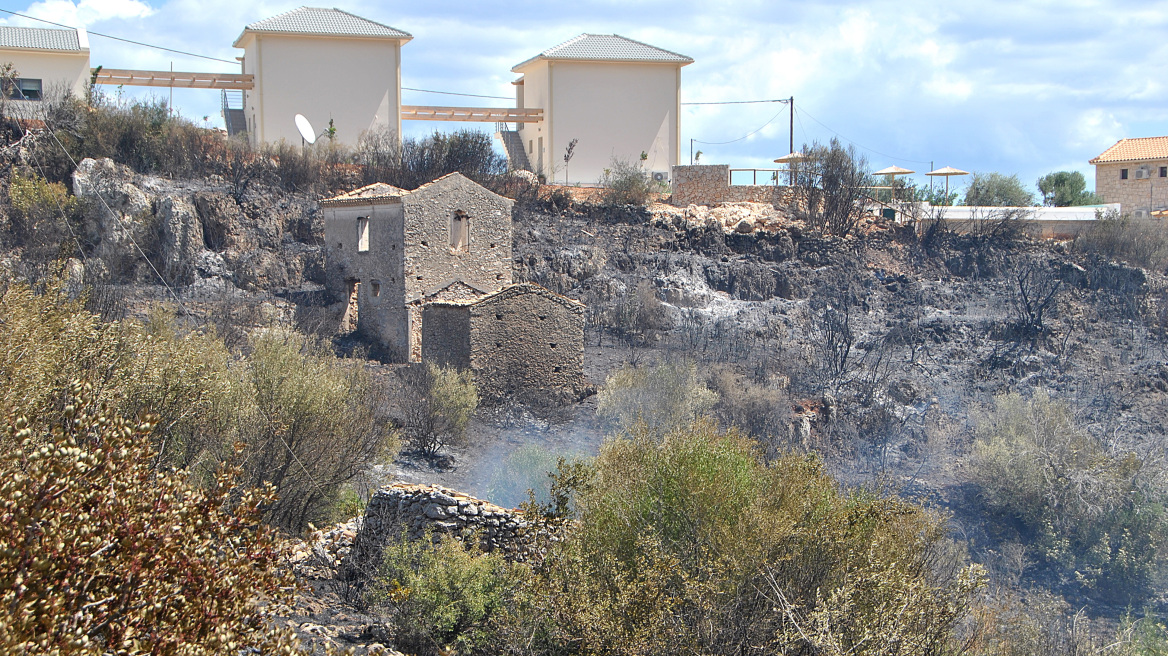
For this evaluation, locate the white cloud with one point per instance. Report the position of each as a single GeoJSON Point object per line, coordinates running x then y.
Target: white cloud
{"type": "Point", "coordinates": [83, 13]}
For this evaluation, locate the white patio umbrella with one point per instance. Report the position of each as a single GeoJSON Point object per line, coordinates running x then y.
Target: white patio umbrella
{"type": "Point", "coordinates": [947, 172]}
{"type": "Point", "coordinates": [790, 159]}
{"type": "Point", "coordinates": [891, 173]}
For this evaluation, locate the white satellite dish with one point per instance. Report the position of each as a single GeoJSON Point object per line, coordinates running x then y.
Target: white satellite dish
{"type": "Point", "coordinates": [305, 128]}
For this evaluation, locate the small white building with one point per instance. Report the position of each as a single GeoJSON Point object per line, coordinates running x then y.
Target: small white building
{"type": "Point", "coordinates": [47, 62]}
{"type": "Point", "coordinates": [616, 96]}
{"type": "Point", "coordinates": [326, 64]}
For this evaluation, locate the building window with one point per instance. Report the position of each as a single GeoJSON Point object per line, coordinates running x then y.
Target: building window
{"type": "Point", "coordinates": [1164, 171]}
{"type": "Point", "coordinates": [375, 289]}
{"type": "Point", "coordinates": [23, 89]}
{"type": "Point", "coordinates": [1123, 174]}
{"type": "Point", "coordinates": [362, 234]}
{"type": "Point", "coordinates": [460, 232]}
{"type": "Point", "coordinates": [530, 146]}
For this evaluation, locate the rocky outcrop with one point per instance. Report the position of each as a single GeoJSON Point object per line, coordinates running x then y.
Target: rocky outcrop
{"type": "Point", "coordinates": [196, 233]}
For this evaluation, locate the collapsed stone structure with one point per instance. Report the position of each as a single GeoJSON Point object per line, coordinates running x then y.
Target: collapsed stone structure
{"type": "Point", "coordinates": [428, 277]}
{"type": "Point", "coordinates": [402, 511]}
{"type": "Point", "coordinates": [522, 341]}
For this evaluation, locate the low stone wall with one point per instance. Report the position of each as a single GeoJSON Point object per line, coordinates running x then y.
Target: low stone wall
{"type": "Point", "coordinates": [413, 511]}
{"type": "Point", "coordinates": [709, 184]}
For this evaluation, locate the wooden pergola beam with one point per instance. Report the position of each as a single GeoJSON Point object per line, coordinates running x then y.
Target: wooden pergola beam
{"type": "Point", "coordinates": [472, 114]}
{"type": "Point", "coordinates": [176, 79]}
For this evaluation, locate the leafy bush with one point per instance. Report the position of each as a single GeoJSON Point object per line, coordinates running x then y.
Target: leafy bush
{"type": "Point", "coordinates": [662, 397]}
{"type": "Point", "coordinates": [997, 190]}
{"type": "Point", "coordinates": [692, 544]}
{"type": "Point", "coordinates": [43, 218]}
{"type": "Point", "coordinates": [626, 183]}
{"type": "Point", "coordinates": [438, 407]}
{"type": "Point", "coordinates": [447, 598]}
{"type": "Point", "coordinates": [310, 422]}
{"type": "Point", "coordinates": [412, 163]}
{"type": "Point", "coordinates": [1098, 518]}
{"type": "Point", "coordinates": [100, 553]}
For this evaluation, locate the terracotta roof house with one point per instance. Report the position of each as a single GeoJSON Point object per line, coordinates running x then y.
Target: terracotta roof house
{"type": "Point", "coordinates": [1134, 173]}
{"type": "Point", "coordinates": [616, 96]}
{"type": "Point", "coordinates": [46, 61]}
{"type": "Point", "coordinates": [326, 64]}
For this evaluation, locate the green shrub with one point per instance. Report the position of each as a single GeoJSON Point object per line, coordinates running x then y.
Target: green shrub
{"type": "Point", "coordinates": [447, 598]}
{"type": "Point", "coordinates": [310, 422]}
{"type": "Point", "coordinates": [626, 183]}
{"type": "Point", "coordinates": [1095, 516]}
{"type": "Point", "coordinates": [42, 217]}
{"type": "Point", "coordinates": [100, 553]}
{"type": "Point", "coordinates": [692, 544]}
{"type": "Point", "coordinates": [662, 397]}
{"type": "Point", "coordinates": [438, 407]}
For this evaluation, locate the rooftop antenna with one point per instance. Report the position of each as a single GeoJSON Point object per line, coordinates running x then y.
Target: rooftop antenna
{"type": "Point", "coordinates": [307, 134]}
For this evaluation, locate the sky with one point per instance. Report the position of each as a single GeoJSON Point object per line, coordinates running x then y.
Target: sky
{"type": "Point", "coordinates": [1022, 88]}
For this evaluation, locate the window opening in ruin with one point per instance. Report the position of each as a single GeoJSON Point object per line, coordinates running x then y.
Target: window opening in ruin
{"type": "Point", "coordinates": [349, 320]}
{"type": "Point", "coordinates": [460, 232]}
{"type": "Point", "coordinates": [375, 288]}
{"type": "Point", "coordinates": [362, 234]}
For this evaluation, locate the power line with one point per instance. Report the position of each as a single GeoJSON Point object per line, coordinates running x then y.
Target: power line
{"type": "Point", "coordinates": [723, 143]}
{"type": "Point", "coordinates": [738, 102]}
{"type": "Point", "coordinates": [871, 150]}
{"type": "Point", "coordinates": [451, 93]}
{"type": "Point", "coordinates": [118, 38]}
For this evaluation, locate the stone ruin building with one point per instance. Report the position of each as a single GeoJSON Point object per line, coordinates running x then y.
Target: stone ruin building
{"type": "Point", "coordinates": [424, 270]}
{"type": "Point", "coordinates": [522, 341]}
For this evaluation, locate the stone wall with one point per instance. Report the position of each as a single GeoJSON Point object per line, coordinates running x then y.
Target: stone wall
{"type": "Point", "coordinates": [431, 261]}
{"type": "Point", "coordinates": [446, 335]}
{"type": "Point", "coordinates": [413, 511]}
{"type": "Point", "coordinates": [1147, 194]}
{"type": "Point", "coordinates": [709, 184]}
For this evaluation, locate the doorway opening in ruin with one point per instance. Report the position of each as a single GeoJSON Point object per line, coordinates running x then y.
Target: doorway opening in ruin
{"type": "Point", "coordinates": [349, 319]}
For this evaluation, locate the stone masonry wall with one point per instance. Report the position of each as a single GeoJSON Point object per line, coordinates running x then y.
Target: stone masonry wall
{"type": "Point", "coordinates": [430, 261]}
{"type": "Point", "coordinates": [528, 343]}
{"type": "Point", "coordinates": [709, 184]}
{"type": "Point", "coordinates": [1147, 194]}
{"type": "Point", "coordinates": [411, 511]}
{"type": "Point", "coordinates": [446, 335]}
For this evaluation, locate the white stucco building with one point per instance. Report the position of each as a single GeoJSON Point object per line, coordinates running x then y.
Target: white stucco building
{"type": "Point", "coordinates": [325, 64]}
{"type": "Point", "coordinates": [46, 61]}
{"type": "Point", "coordinates": [616, 96]}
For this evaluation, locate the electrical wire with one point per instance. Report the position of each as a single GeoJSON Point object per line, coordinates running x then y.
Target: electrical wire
{"type": "Point", "coordinates": [860, 145]}
{"type": "Point", "coordinates": [118, 38]}
{"type": "Point", "coordinates": [451, 93]}
{"type": "Point", "coordinates": [723, 143]}
{"type": "Point", "coordinates": [738, 102]}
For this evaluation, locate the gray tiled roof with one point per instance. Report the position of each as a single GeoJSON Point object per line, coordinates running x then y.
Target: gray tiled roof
{"type": "Point", "coordinates": [608, 47]}
{"type": "Point", "coordinates": [319, 20]}
{"type": "Point", "coordinates": [38, 38]}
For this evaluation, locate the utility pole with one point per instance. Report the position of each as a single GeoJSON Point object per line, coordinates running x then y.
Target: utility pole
{"type": "Point", "coordinates": [791, 132]}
